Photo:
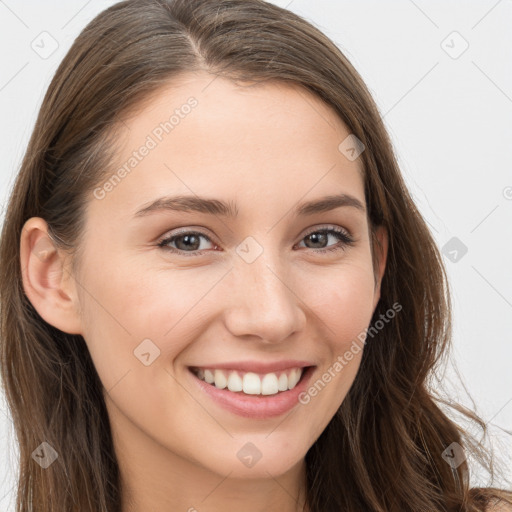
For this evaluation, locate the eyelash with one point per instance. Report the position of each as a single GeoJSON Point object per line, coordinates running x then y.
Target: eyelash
{"type": "Point", "coordinates": [347, 240]}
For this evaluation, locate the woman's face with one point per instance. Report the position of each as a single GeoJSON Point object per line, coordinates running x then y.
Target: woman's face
{"type": "Point", "coordinates": [243, 286]}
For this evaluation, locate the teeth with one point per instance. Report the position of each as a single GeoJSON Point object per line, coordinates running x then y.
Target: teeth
{"type": "Point", "coordinates": [269, 384]}
{"type": "Point", "coordinates": [235, 382]}
{"type": "Point", "coordinates": [294, 378]}
{"type": "Point", "coordinates": [220, 379]}
{"type": "Point", "coordinates": [208, 377]}
{"type": "Point", "coordinates": [282, 383]}
{"type": "Point", "coordinates": [251, 383]}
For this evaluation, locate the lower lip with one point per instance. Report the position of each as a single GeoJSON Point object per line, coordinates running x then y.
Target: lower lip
{"type": "Point", "coordinates": [256, 406]}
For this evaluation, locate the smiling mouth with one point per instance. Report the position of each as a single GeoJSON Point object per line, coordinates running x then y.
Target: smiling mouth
{"type": "Point", "coordinates": [250, 383]}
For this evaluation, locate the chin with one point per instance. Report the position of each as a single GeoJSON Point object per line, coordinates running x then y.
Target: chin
{"type": "Point", "coordinates": [256, 459]}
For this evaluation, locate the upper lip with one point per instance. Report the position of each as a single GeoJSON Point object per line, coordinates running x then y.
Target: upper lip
{"type": "Point", "coordinates": [257, 366]}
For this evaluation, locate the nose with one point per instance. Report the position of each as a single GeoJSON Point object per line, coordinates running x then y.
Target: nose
{"type": "Point", "coordinates": [263, 302]}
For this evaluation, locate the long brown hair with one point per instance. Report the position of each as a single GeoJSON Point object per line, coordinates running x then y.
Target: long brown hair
{"type": "Point", "coordinates": [383, 450]}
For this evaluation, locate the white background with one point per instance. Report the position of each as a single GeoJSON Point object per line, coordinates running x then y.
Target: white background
{"type": "Point", "coordinates": [450, 120]}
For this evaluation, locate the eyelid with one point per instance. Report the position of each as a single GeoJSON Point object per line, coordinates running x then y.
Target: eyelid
{"type": "Point", "coordinates": [327, 227]}
{"type": "Point", "coordinates": [188, 230]}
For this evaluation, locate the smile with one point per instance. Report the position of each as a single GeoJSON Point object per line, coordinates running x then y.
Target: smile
{"type": "Point", "coordinates": [250, 383]}
{"type": "Point", "coordinates": [252, 394]}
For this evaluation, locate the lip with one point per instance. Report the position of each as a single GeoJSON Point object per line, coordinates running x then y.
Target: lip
{"type": "Point", "coordinates": [258, 366]}
{"type": "Point", "coordinates": [255, 406]}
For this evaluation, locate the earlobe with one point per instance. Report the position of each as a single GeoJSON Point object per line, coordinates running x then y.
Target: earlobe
{"type": "Point", "coordinates": [47, 282]}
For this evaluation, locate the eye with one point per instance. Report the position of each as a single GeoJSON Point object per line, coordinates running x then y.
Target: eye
{"type": "Point", "coordinates": [189, 242]}
{"type": "Point", "coordinates": [185, 239]}
{"type": "Point", "coordinates": [322, 235]}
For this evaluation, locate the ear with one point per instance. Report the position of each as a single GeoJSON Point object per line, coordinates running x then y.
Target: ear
{"type": "Point", "coordinates": [47, 281]}
{"type": "Point", "coordinates": [380, 248]}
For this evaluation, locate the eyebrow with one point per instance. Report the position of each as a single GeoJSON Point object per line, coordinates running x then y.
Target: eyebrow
{"type": "Point", "coordinates": [229, 209]}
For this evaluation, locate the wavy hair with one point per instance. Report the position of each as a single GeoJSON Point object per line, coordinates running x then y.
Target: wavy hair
{"type": "Point", "coordinates": [383, 449]}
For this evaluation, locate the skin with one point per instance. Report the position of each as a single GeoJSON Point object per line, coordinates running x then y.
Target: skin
{"type": "Point", "coordinates": [266, 148]}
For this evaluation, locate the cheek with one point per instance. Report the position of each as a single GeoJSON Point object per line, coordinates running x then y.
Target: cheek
{"type": "Point", "coordinates": [343, 303]}
{"type": "Point", "coordinates": [124, 303]}
{"type": "Point", "coordinates": [343, 307]}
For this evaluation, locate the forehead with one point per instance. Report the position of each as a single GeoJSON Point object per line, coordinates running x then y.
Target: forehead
{"type": "Point", "coordinates": [207, 135]}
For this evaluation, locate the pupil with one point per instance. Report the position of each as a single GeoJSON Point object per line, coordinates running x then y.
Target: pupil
{"type": "Point", "coordinates": [187, 238]}
{"type": "Point", "coordinates": [318, 236]}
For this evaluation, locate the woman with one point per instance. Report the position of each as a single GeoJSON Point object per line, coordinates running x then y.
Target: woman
{"type": "Point", "coordinates": [172, 337]}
